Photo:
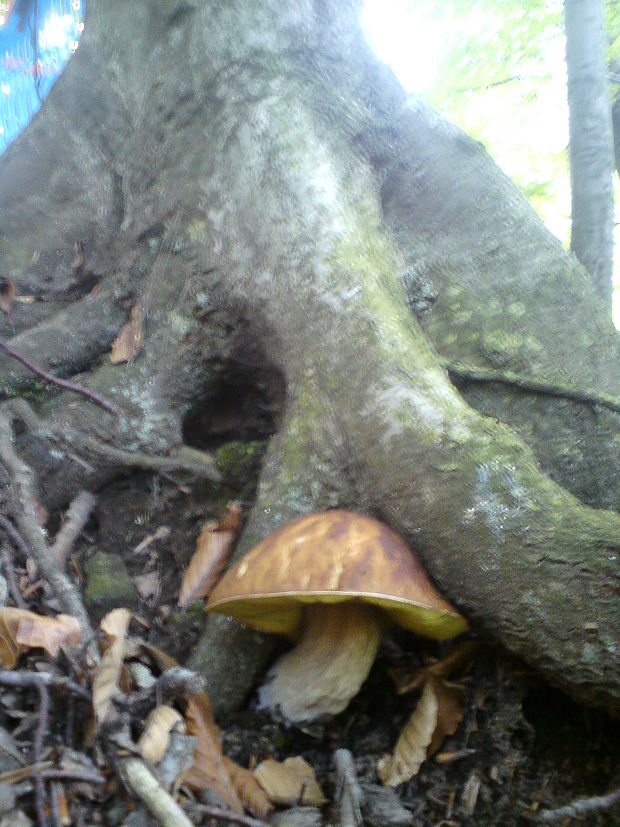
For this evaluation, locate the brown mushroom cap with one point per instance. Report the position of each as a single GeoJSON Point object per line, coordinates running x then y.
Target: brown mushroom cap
{"type": "Point", "coordinates": [333, 557]}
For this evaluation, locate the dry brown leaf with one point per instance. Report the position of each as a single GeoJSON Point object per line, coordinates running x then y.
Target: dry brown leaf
{"type": "Point", "coordinates": [291, 783]}
{"type": "Point", "coordinates": [449, 713]}
{"type": "Point", "coordinates": [410, 749]}
{"type": "Point", "coordinates": [155, 737]}
{"type": "Point", "coordinates": [108, 672]}
{"type": "Point", "coordinates": [159, 657]}
{"type": "Point", "coordinates": [209, 770]}
{"type": "Point", "coordinates": [252, 795]}
{"type": "Point", "coordinates": [408, 681]}
{"type": "Point", "coordinates": [62, 805]}
{"type": "Point", "coordinates": [130, 339]}
{"type": "Point", "coordinates": [8, 292]}
{"type": "Point", "coordinates": [213, 549]}
{"type": "Point", "coordinates": [21, 629]}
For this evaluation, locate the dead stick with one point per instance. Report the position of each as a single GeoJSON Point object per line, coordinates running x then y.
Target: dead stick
{"type": "Point", "coordinates": [226, 815]}
{"type": "Point", "coordinates": [143, 783]}
{"type": "Point", "coordinates": [33, 679]}
{"type": "Point", "coordinates": [37, 751]}
{"type": "Point", "coordinates": [73, 775]}
{"type": "Point", "coordinates": [580, 807]}
{"type": "Point", "coordinates": [11, 579]}
{"type": "Point", "coordinates": [76, 518]}
{"type": "Point", "coordinates": [66, 384]}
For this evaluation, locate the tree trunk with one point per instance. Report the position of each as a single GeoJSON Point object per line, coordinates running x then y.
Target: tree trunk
{"type": "Point", "coordinates": [263, 187]}
{"type": "Point", "coordinates": [591, 142]}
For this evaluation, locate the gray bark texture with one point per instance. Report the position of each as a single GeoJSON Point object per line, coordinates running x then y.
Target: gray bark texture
{"type": "Point", "coordinates": [252, 176]}
{"type": "Point", "coordinates": [591, 150]}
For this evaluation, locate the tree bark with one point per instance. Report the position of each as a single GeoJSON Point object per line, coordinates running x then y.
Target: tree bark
{"type": "Point", "coordinates": [262, 185]}
{"type": "Point", "coordinates": [591, 142]}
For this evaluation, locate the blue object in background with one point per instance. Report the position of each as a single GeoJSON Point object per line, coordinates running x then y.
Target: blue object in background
{"type": "Point", "coordinates": [37, 38]}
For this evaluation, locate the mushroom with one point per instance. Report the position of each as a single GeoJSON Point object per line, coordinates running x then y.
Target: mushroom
{"type": "Point", "coordinates": [330, 582]}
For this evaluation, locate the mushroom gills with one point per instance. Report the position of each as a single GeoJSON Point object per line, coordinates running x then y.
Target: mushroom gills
{"type": "Point", "coordinates": [328, 665]}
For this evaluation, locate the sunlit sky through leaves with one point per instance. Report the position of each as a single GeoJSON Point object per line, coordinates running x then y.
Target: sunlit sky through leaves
{"type": "Point", "coordinates": [523, 123]}
{"type": "Point", "coordinates": [519, 129]}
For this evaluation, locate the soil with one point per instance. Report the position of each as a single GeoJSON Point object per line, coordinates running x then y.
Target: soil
{"type": "Point", "coordinates": [521, 748]}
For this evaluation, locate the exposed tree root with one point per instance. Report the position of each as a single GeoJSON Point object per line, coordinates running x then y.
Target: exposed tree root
{"type": "Point", "coordinates": [526, 383]}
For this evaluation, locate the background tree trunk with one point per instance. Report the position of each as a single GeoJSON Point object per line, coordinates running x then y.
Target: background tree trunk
{"type": "Point", "coordinates": [591, 141]}
{"type": "Point", "coordinates": [264, 188]}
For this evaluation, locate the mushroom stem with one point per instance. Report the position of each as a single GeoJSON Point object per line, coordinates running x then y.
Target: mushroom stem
{"type": "Point", "coordinates": [328, 665]}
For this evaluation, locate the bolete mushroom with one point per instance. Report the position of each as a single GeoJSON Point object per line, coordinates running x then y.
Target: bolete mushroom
{"type": "Point", "coordinates": [330, 582]}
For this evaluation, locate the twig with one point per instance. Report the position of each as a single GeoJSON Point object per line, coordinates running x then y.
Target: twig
{"type": "Point", "coordinates": [34, 679]}
{"type": "Point", "coordinates": [527, 383]}
{"type": "Point", "coordinates": [23, 773]}
{"type": "Point", "coordinates": [143, 783]}
{"type": "Point", "coordinates": [8, 527]}
{"type": "Point", "coordinates": [75, 519]}
{"type": "Point", "coordinates": [56, 791]}
{"type": "Point", "coordinates": [175, 681]}
{"type": "Point", "coordinates": [580, 807]}
{"type": "Point", "coordinates": [66, 384]}
{"type": "Point", "coordinates": [225, 815]}
{"type": "Point", "coordinates": [37, 750]}
{"type": "Point", "coordinates": [90, 776]}
{"type": "Point", "coordinates": [22, 486]}
{"type": "Point", "coordinates": [11, 579]}
{"type": "Point", "coordinates": [349, 793]}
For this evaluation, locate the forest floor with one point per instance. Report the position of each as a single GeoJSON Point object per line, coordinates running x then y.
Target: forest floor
{"type": "Point", "coordinates": [521, 748]}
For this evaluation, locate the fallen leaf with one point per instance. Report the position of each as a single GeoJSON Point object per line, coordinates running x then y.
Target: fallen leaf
{"type": "Point", "coordinates": [252, 795]}
{"type": "Point", "coordinates": [8, 292]}
{"type": "Point", "coordinates": [62, 805]}
{"type": "Point", "coordinates": [291, 783]}
{"type": "Point", "coordinates": [410, 749]}
{"type": "Point", "coordinates": [130, 339]}
{"type": "Point", "coordinates": [108, 672]}
{"type": "Point", "coordinates": [409, 681]}
{"type": "Point", "coordinates": [21, 629]}
{"type": "Point", "coordinates": [155, 737]}
{"type": "Point", "coordinates": [449, 713]}
{"type": "Point", "coordinates": [209, 770]}
{"type": "Point", "coordinates": [213, 549]}
{"type": "Point", "coordinates": [451, 756]}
